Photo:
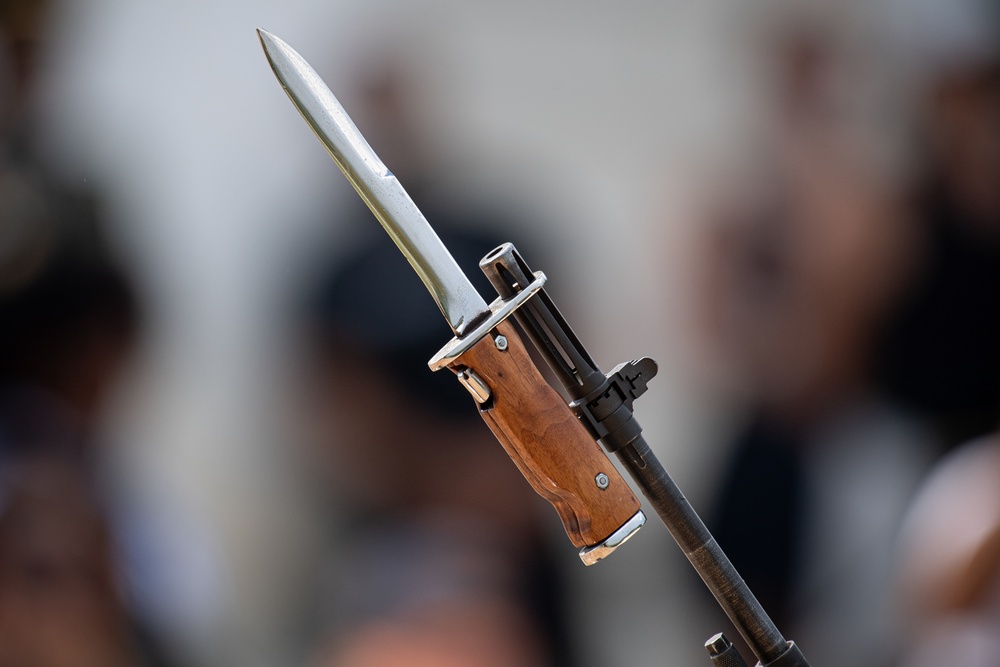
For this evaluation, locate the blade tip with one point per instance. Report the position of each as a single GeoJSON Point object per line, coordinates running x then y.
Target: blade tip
{"type": "Point", "coordinates": [268, 41]}
{"type": "Point", "coordinates": [275, 50]}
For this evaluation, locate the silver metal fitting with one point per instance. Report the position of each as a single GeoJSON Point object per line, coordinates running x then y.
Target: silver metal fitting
{"type": "Point", "coordinates": [724, 654]}
{"type": "Point", "coordinates": [501, 342]}
{"type": "Point", "coordinates": [717, 644]}
{"type": "Point", "coordinates": [590, 555]}
{"type": "Point", "coordinates": [602, 481]}
{"type": "Point", "coordinates": [479, 389]}
{"type": "Point", "coordinates": [500, 310]}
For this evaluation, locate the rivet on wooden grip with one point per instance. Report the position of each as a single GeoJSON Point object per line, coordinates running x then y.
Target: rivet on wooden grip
{"type": "Point", "coordinates": [547, 442]}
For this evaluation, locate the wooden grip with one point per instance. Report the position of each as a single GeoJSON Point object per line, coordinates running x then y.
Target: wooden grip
{"type": "Point", "coordinates": [544, 438]}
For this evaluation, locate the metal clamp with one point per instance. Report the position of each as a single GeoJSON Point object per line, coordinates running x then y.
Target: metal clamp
{"type": "Point", "coordinates": [500, 310]}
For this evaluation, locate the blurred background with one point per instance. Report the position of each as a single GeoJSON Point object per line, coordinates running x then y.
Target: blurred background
{"type": "Point", "coordinates": [216, 442]}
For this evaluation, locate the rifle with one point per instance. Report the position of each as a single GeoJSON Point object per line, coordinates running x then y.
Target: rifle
{"type": "Point", "coordinates": [556, 446]}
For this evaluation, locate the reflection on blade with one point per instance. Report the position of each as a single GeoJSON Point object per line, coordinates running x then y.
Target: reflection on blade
{"type": "Point", "coordinates": [458, 299]}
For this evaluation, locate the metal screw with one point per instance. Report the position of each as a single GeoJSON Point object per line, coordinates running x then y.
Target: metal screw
{"type": "Point", "coordinates": [602, 481]}
{"type": "Point", "coordinates": [501, 342]}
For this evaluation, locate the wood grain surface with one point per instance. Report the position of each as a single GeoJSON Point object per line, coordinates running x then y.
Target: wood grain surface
{"type": "Point", "coordinates": [548, 443]}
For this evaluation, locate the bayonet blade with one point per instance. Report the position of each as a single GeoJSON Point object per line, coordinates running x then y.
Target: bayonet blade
{"type": "Point", "coordinates": [458, 300]}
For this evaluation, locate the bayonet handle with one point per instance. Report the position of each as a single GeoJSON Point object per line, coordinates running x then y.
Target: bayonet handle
{"type": "Point", "coordinates": [546, 441]}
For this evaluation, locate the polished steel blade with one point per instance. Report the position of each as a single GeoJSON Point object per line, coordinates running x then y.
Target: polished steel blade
{"type": "Point", "coordinates": [461, 304]}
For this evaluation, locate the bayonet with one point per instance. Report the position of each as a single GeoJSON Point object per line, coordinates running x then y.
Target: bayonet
{"type": "Point", "coordinates": [547, 442]}
{"type": "Point", "coordinates": [552, 443]}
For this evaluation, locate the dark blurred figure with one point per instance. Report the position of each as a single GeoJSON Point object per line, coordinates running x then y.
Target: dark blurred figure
{"type": "Point", "coordinates": [803, 265]}
{"type": "Point", "coordinates": [940, 355]}
{"type": "Point", "coordinates": [68, 319]}
{"type": "Point", "coordinates": [943, 357]}
{"type": "Point", "coordinates": [443, 560]}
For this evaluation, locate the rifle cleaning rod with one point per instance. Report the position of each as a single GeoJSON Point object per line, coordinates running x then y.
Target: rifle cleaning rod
{"type": "Point", "coordinates": [705, 554]}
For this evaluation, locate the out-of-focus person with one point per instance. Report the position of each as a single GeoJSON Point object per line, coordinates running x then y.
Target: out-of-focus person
{"type": "Point", "coordinates": [68, 322]}
{"type": "Point", "coordinates": [939, 356]}
{"type": "Point", "coordinates": [803, 264]}
{"type": "Point", "coordinates": [444, 559]}
{"type": "Point", "coordinates": [943, 354]}
{"type": "Point", "coordinates": [442, 555]}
